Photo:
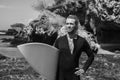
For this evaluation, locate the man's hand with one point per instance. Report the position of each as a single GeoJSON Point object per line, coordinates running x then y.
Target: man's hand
{"type": "Point", "coordinates": [79, 72]}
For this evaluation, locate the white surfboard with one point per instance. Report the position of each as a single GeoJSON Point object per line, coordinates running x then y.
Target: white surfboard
{"type": "Point", "coordinates": [42, 57]}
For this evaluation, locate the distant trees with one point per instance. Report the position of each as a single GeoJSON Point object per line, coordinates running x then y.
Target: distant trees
{"type": "Point", "coordinates": [67, 7]}
{"type": "Point", "coordinates": [39, 5]}
{"type": "Point", "coordinates": [18, 25]}
{"type": "Point", "coordinates": [11, 32]}
{"type": "Point", "coordinates": [15, 28]}
{"type": "Point", "coordinates": [57, 2]}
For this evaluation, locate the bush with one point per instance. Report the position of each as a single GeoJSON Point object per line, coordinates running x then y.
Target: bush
{"type": "Point", "coordinates": [11, 32]}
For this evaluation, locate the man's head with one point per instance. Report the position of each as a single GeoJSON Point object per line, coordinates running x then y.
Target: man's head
{"type": "Point", "coordinates": [72, 24]}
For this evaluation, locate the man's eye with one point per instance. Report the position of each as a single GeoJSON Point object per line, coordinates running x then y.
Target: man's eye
{"type": "Point", "coordinates": [69, 23]}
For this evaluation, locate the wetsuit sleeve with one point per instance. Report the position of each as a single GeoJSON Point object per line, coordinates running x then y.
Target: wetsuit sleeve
{"type": "Point", "coordinates": [90, 55]}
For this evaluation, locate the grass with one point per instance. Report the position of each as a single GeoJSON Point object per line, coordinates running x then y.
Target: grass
{"type": "Point", "coordinates": [17, 69]}
{"type": "Point", "coordinates": [103, 68]}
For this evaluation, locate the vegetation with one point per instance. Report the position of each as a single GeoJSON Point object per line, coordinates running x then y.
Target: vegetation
{"type": "Point", "coordinates": [66, 8]}
{"type": "Point", "coordinates": [11, 32]}
{"type": "Point", "coordinates": [18, 25]}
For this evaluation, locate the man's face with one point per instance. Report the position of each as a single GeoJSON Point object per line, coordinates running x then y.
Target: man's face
{"type": "Point", "coordinates": [70, 24]}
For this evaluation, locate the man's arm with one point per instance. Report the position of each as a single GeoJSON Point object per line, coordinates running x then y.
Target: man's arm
{"type": "Point", "coordinates": [90, 55]}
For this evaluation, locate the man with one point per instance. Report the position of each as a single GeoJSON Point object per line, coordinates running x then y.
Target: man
{"type": "Point", "coordinates": [70, 48]}
{"type": "Point", "coordinates": [91, 39]}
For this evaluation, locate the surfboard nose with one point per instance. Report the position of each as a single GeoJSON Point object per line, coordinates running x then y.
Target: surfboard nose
{"type": "Point", "coordinates": [42, 57]}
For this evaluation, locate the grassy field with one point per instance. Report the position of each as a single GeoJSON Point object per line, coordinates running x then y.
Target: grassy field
{"type": "Point", "coordinates": [104, 67]}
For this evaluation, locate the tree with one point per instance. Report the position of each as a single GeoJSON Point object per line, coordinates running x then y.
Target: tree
{"type": "Point", "coordinates": [11, 32]}
{"type": "Point", "coordinates": [68, 7]}
{"type": "Point", "coordinates": [39, 5]}
{"type": "Point", "coordinates": [18, 25]}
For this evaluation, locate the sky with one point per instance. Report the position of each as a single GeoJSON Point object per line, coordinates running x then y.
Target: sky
{"type": "Point", "coordinates": [16, 11]}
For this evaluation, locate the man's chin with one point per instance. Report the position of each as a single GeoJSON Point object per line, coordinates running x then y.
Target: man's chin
{"type": "Point", "coordinates": [69, 31]}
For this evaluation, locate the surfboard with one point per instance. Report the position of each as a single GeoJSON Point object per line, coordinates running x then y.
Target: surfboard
{"type": "Point", "coordinates": [42, 57]}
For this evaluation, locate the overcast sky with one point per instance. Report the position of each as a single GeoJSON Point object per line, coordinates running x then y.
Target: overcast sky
{"type": "Point", "coordinates": [16, 11]}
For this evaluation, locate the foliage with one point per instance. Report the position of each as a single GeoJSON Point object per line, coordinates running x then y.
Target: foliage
{"type": "Point", "coordinates": [11, 32]}
{"type": "Point", "coordinates": [106, 10]}
{"type": "Point", "coordinates": [39, 5]}
{"type": "Point", "coordinates": [45, 22]}
{"type": "Point", "coordinates": [68, 7]}
{"type": "Point", "coordinates": [18, 25]}
{"type": "Point", "coordinates": [57, 2]}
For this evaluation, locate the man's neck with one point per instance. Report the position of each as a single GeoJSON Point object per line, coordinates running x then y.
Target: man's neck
{"type": "Point", "coordinates": [72, 36]}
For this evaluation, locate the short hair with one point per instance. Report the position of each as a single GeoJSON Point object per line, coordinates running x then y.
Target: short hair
{"type": "Point", "coordinates": [74, 17]}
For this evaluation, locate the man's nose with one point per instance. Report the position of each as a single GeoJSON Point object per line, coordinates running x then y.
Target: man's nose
{"type": "Point", "coordinates": [68, 25]}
